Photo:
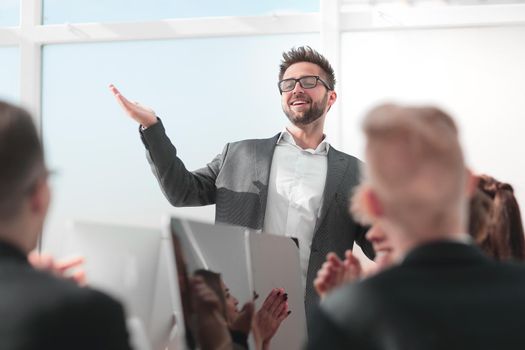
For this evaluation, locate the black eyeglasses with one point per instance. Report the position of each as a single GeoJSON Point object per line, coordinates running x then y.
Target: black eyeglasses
{"type": "Point", "coordinates": [307, 82]}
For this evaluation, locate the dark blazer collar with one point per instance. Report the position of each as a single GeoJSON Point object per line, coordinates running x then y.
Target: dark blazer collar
{"type": "Point", "coordinates": [336, 169]}
{"type": "Point", "coordinates": [444, 253]}
{"type": "Point", "coordinates": [263, 160]}
{"type": "Point", "coordinates": [10, 252]}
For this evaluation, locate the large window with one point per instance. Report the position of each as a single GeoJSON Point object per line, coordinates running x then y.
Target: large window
{"type": "Point", "coordinates": [207, 91]}
{"type": "Point", "coordinates": [9, 74]}
{"type": "Point", "coordinates": [59, 11]}
{"type": "Point", "coordinates": [9, 13]}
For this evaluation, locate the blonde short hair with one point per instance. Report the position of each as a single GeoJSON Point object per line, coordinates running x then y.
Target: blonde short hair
{"type": "Point", "coordinates": [414, 160]}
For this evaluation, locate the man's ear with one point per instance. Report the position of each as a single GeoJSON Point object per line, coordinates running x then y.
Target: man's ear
{"type": "Point", "coordinates": [331, 99]}
{"type": "Point", "coordinates": [472, 183]}
{"type": "Point", "coordinates": [373, 204]}
{"type": "Point", "coordinates": [40, 197]}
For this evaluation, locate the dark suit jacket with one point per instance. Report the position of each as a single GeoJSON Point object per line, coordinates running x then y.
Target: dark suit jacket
{"type": "Point", "coordinates": [443, 296]}
{"type": "Point", "coordinates": [40, 311]}
{"type": "Point", "coordinates": [237, 182]}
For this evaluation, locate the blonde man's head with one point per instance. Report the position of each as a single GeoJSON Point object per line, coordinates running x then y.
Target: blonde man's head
{"type": "Point", "coordinates": [415, 167]}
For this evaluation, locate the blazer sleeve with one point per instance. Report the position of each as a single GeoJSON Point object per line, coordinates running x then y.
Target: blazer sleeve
{"type": "Point", "coordinates": [180, 186]}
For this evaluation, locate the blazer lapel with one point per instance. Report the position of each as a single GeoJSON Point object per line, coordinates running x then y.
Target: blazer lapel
{"type": "Point", "coordinates": [263, 160]}
{"type": "Point", "coordinates": [336, 169]}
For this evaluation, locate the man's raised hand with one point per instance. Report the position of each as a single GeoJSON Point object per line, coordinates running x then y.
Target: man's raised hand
{"type": "Point", "coordinates": [145, 116]}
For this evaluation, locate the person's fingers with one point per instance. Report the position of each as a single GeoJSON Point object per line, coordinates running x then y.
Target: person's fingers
{"type": "Point", "coordinates": [333, 259]}
{"type": "Point", "coordinates": [270, 298]}
{"type": "Point", "coordinates": [279, 308]}
{"type": "Point", "coordinates": [41, 261]}
{"type": "Point", "coordinates": [114, 89]}
{"type": "Point", "coordinates": [352, 267]}
{"type": "Point", "coordinates": [319, 285]}
{"type": "Point", "coordinates": [66, 264]}
{"type": "Point", "coordinates": [278, 300]}
{"type": "Point", "coordinates": [284, 314]}
{"type": "Point", "coordinates": [80, 278]}
{"type": "Point", "coordinates": [123, 101]}
{"type": "Point", "coordinates": [34, 258]}
{"type": "Point", "coordinates": [349, 256]}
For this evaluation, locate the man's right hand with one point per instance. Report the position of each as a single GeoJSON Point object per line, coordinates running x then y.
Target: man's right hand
{"type": "Point", "coordinates": [143, 115]}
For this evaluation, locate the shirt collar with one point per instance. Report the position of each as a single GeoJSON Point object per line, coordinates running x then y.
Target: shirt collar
{"type": "Point", "coordinates": [286, 138]}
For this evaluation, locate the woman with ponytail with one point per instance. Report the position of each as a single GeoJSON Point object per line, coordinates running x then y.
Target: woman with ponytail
{"type": "Point", "coordinates": [495, 220]}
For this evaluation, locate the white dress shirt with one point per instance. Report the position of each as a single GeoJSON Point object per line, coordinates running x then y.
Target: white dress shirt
{"type": "Point", "coordinates": [295, 193]}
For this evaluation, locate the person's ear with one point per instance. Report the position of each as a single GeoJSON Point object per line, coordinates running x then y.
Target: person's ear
{"type": "Point", "coordinates": [40, 197]}
{"type": "Point", "coordinates": [472, 183]}
{"type": "Point", "coordinates": [373, 204]}
{"type": "Point", "coordinates": [331, 99]}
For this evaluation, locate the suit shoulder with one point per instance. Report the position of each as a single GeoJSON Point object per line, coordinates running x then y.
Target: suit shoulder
{"type": "Point", "coordinates": [247, 142]}
{"type": "Point", "coordinates": [346, 156]}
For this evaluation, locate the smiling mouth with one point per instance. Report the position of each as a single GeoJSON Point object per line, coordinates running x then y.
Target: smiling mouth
{"type": "Point", "coordinates": [299, 103]}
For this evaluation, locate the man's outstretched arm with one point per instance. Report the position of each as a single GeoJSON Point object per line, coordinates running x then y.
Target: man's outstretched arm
{"type": "Point", "coordinates": [180, 186]}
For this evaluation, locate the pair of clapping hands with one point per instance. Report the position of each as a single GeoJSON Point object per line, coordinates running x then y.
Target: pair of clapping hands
{"type": "Point", "coordinates": [70, 268]}
{"type": "Point", "coordinates": [335, 272]}
{"type": "Point", "coordinates": [214, 332]}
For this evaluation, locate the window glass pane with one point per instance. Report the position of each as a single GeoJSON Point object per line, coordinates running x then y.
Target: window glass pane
{"type": "Point", "coordinates": [10, 74]}
{"type": "Point", "coordinates": [207, 91]}
{"type": "Point", "coordinates": [9, 13]}
{"type": "Point", "coordinates": [59, 11]}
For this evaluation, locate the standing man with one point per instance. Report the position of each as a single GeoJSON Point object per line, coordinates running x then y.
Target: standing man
{"type": "Point", "coordinates": [39, 310]}
{"type": "Point", "coordinates": [293, 184]}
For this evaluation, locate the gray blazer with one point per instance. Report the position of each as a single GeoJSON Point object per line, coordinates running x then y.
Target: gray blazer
{"type": "Point", "coordinates": [237, 182]}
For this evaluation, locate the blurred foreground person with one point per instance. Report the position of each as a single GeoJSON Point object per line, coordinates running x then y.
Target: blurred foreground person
{"type": "Point", "coordinates": [494, 225]}
{"type": "Point", "coordinates": [444, 293]}
{"type": "Point", "coordinates": [39, 310]}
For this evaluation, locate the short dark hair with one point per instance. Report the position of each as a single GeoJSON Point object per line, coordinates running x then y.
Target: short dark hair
{"type": "Point", "coordinates": [307, 54]}
{"type": "Point", "coordinates": [21, 158]}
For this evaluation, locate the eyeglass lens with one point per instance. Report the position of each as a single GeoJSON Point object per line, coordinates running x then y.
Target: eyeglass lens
{"type": "Point", "coordinates": [308, 82]}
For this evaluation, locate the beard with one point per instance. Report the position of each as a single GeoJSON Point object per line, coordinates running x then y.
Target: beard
{"type": "Point", "coordinates": [309, 116]}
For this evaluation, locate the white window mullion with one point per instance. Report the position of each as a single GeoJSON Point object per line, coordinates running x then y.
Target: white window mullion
{"type": "Point", "coordinates": [331, 46]}
{"type": "Point", "coordinates": [30, 58]}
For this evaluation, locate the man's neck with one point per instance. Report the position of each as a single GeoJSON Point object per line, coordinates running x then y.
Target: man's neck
{"type": "Point", "coordinates": [307, 136]}
{"type": "Point", "coordinates": [17, 234]}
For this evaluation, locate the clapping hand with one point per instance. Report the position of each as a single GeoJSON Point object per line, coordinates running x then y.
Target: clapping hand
{"type": "Point", "coordinates": [335, 272]}
{"type": "Point", "coordinates": [65, 268]}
